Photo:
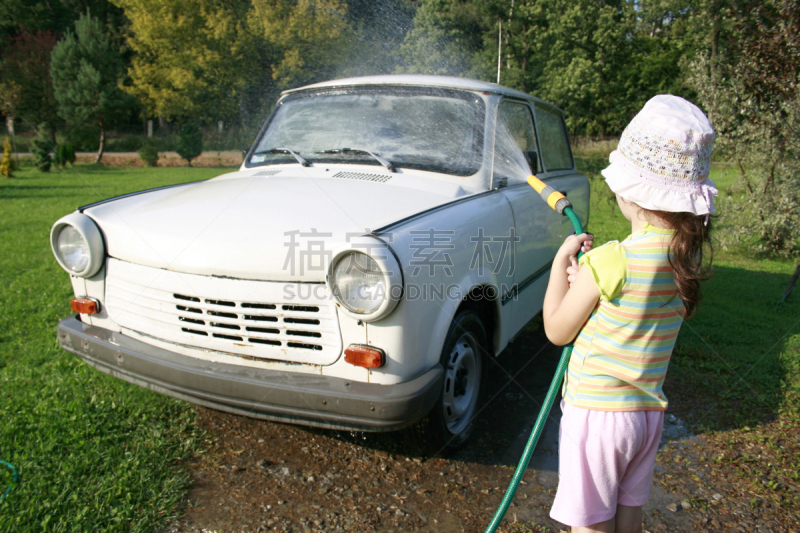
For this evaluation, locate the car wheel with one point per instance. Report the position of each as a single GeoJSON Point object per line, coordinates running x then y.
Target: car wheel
{"type": "Point", "coordinates": [450, 422]}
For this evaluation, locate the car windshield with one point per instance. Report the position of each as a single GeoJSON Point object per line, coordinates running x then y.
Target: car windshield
{"type": "Point", "coordinates": [427, 129]}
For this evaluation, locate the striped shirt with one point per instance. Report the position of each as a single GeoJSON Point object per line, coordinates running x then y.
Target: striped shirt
{"type": "Point", "coordinates": [621, 354]}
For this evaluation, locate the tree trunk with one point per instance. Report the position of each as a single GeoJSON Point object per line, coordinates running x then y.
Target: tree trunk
{"type": "Point", "coordinates": [102, 144]}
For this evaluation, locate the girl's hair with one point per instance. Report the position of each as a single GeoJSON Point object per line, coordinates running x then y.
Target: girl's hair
{"type": "Point", "coordinates": [689, 249]}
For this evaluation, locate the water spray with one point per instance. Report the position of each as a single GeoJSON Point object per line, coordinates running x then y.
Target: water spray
{"type": "Point", "coordinates": [559, 203]}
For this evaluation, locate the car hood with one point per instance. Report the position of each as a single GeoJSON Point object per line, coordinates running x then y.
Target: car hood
{"type": "Point", "coordinates": [247, 226]}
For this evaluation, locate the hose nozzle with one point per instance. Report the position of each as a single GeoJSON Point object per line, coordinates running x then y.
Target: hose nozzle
{"type": "Point", "coordinates": [554, 199]}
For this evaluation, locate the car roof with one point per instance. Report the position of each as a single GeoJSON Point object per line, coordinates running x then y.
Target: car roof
{"type": "Point", "coordinates": [443, 82]}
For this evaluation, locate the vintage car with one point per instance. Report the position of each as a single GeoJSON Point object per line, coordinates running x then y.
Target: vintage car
{"type": "Point", "coordinates": [377, 246]}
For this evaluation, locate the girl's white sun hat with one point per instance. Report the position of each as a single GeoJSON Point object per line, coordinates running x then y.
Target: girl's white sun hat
{"type": "Point", "coordinates": [663, 158]}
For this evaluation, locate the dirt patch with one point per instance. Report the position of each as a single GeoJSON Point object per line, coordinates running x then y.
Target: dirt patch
{"type": "Point", "coordinates": [165, 159]}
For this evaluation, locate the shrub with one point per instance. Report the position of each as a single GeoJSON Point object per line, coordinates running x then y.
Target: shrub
{"type": "Point", "coordinates": [190, 142]}
{"type": "Point", "coordinates": [148, 153]}
{"type": "Point", "coordinates": [7, 163]}
{"type": "Point", "coordinates": [127, 143]}
{"type": "Point", "coordinates": [64, 153]}
{"type": "Point", "coordinates": [42, 146]}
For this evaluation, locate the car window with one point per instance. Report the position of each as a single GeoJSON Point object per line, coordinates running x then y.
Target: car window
{"type": "Point", "coordinates": [430, 129]}
{"type": "Point", "coordinates": [515, 135]}
{"type": "Point", "coordinates": [556, 153]}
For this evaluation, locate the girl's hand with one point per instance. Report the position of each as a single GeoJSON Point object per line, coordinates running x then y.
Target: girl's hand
{"type": "Point", "coordinates": [574, 268]}
{"type": "Point", "coordinates": [575, 243]}
{"type": "Point", "coordinates": [572, 271]}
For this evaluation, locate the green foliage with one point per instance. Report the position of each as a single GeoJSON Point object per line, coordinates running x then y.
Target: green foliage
{"type": "Point", "coordinates": [191, 56]}
{"type": "Point", "coordinates": [94, 452]}
{"type": "Point", "coordinates": [190, 142]}
{"type": "Point", "coordinates": [7, 163]}
{"type": "Point", "coordinates": [149, 153]}
{"type": "Point", "coordinates": [308, 38]}
{"type": "Point", "coordinates": [445, 39]}
{"type": "Point", "coordinates": [41, 147]}
{"type": "Point", "coordinates": [755, 108]}
{"type": "Point", "coordinates": [26, 63]}
{"type": "Point", "coordinates": [65, 154]}
{"type": "Point", "coordinates": [87, 67]}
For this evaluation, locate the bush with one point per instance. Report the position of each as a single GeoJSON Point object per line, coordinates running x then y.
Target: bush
{"type": "Point", "coordinates": [65, 153]}
{"type": "Point", "coordinates": [148, 153]}
{"type": "Point", "coordinates": [190, 142]}
{"type": "Point", "coordinates": [7, 163]}
{"type": "Point", "coordinates": [128, 143]}
{"type": "Point", "coordinates": [42, 146]}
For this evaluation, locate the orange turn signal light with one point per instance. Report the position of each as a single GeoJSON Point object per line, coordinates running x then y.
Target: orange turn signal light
{"type": "Point", "coordinates": [85, 306]}
{"type": "Point", "coordinates": [365, 356]}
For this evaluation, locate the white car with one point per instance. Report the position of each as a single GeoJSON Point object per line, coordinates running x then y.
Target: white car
{"type": "Point", "coordinates": [378, 244]}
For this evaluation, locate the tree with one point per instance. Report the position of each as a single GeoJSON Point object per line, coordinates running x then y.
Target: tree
{"type": "Point", "coordinates": [86, 68]}
{"type": "Point", "coordinates": [446, 38]}
{"type": "Point", "coordinates": [190, 142]}
{"type": "Point", "coordinates": [26, 63]}
{"type": "Point", "coordinates": [42, 146]}
{"type": "Point", "coordinates": [378, 29]}
{"type": "Point", "coordinates": [191, 56]}
{"type": "Point", "coordinates": [308, 39]}
{"type": "Point", "coordinates": [752, 89]}
{"type": "Point", "coordinates": [6, 163]}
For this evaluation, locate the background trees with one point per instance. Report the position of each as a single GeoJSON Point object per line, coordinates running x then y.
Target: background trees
{"type": "Point", "coordinates": [188, 56]}
{"type": "Point", "coordinates": [87, 67]}
{"type": "Point", "coordinates": [205, 61]}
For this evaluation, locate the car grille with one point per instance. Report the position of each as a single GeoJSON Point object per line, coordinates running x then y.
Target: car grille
{"type": "Point", "coordinates": [253, 319]}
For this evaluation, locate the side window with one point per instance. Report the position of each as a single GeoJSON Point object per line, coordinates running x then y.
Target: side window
{"type": "Point", "coordinates": [555, 145]}
{"type": "Point", "coordinates": [515, 142]}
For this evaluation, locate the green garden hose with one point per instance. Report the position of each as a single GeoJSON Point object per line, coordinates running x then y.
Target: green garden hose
{"type": "Point", "coordinates": [559, 202]}
{"type": "Point", "coordinates": [14, 479]}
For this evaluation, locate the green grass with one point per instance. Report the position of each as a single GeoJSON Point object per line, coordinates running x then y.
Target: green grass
{"type": "Point", "coordinates": [737, 363]}
{"type": "Point", "coordinates": [98, 454]}
{"type": "Point", "coordinates": [94, 453]}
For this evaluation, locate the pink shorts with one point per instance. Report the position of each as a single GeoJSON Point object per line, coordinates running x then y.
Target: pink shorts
{"type": "Point", "coordinates": [605, 459]}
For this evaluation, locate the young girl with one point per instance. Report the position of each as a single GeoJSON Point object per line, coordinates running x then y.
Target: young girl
{"type": "Point", "coordinates": [625, 303]}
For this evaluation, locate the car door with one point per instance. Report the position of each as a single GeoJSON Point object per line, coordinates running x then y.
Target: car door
{"type": "Point", "coordinates": [539, 229]}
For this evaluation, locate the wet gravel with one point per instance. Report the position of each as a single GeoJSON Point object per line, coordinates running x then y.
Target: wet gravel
{"type": "Point", "coordinates": [262, 476]}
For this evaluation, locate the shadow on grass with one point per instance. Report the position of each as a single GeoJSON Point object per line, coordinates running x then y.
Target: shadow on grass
{"type": "Point", "coordinates": [735, 364]}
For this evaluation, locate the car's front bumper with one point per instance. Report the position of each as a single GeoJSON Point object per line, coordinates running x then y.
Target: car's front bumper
{"type": "Point", "coordinates": [308, 399]}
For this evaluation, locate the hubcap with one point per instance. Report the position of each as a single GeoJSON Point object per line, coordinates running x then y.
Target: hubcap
{"type": "Point", "coordinates": [461, 381]}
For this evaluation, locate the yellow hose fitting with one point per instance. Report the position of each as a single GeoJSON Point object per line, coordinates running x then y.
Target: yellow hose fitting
{"type": "Point", "coordinates": [557, 201]}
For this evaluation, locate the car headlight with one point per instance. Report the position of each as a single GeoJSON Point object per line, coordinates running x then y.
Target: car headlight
{"type": "Point", "coordinates": [78, 245]}
{"type": "Point", "coordinates": [359, 283]}
{"type": "Point", "coordinates": [369, 285]}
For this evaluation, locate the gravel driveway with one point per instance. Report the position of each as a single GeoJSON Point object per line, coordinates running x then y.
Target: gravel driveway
{"type": "Point", "coordinates": [262, 476]}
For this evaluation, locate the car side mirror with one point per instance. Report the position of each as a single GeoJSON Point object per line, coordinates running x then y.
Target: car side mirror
{"type": "Point", "coordinates": [533, 160]}
{"type": "Point", "coordinates": [244, 152]}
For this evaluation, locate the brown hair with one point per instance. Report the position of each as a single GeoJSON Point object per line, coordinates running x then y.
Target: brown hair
{"type": "Point", "coordinates": [689, 249]}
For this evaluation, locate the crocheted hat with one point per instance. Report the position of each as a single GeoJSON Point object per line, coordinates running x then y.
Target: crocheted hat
{"type": "Point", "coordinates": [663, 158]}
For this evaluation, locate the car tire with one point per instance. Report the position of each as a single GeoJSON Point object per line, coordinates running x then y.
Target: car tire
{"type": "Point", "coordinates": [448, 425]}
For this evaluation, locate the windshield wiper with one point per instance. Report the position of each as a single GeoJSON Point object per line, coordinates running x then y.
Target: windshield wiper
{"type": "Point", "coordinates": [388, 164]}
{"type": "Point", "coordinates": [285, 151]}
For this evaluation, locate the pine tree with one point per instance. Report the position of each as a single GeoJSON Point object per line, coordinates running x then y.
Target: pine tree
{"type": "Point", "coordinates": [86, 67]}
{"type": "Point", "coordinates": [42, 146]}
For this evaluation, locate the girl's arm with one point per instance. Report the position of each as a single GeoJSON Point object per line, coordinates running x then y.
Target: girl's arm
{"type": "Point", "coordinates": [566, 307]}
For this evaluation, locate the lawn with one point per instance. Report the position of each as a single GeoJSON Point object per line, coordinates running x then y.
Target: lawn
{"type": "Point", "coordinates": [98, 454]}
{"type": "Point", "coordinates": [94, 453]}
